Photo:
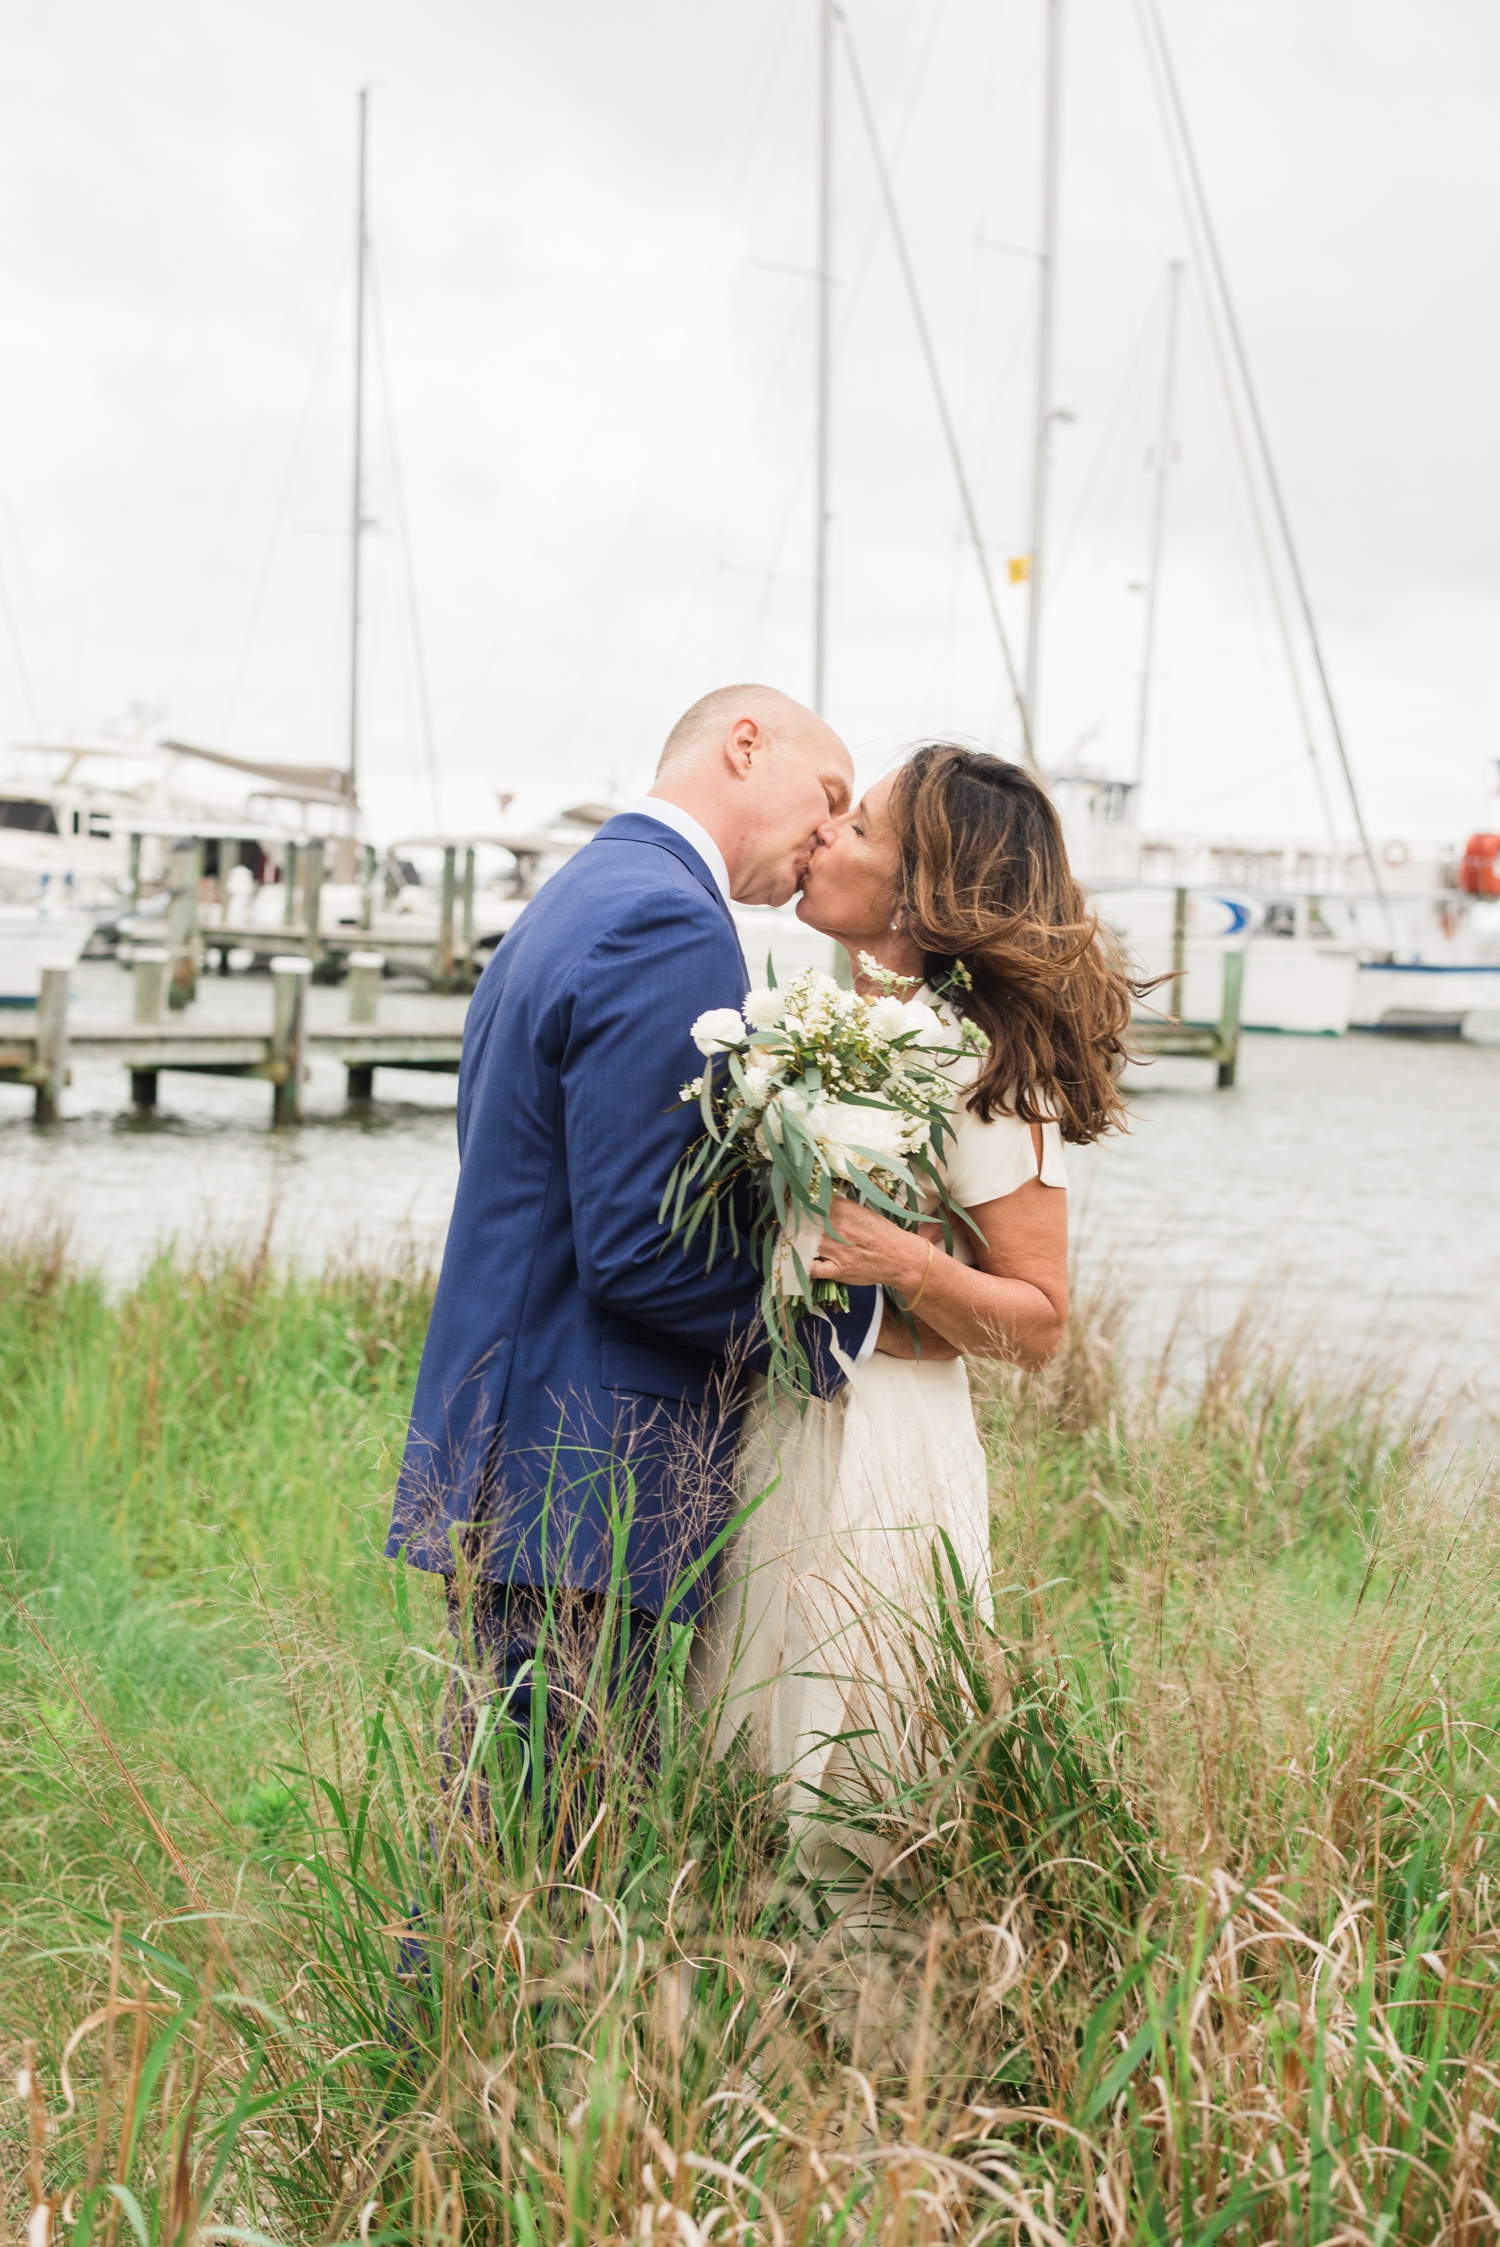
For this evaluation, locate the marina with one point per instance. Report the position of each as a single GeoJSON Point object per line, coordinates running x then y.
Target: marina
{"type": "Point", "coordinates": [1065, 1815]}
{"type": "Point", "coordinates": [1346, 1184]}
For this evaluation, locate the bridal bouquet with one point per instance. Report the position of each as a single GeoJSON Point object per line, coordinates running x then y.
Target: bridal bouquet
{"type": "Point", "coordinates": [820, 1092]}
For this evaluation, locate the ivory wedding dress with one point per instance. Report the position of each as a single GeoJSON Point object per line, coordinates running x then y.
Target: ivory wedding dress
{"type": "Point", "coordinates": [821, 1595]}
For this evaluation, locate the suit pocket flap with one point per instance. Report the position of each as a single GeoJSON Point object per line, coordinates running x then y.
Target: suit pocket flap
{"type": "Point", "coordinates": [652, 1370]}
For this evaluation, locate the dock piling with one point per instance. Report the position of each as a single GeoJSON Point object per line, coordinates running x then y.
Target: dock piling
{"type": "Point", "coordinates": [51, 1073]}
{"type": "Point", "coordinates": [290, 975]}
{"type": "Point", "coordinates": [148, 975]}
{"type": "Point", "coordinates": [312, 893]}
{"type": "Point", "coordinates": [1179, 951]}
{"type": "Point", "coordinates": [185, 872]}
{"type": "Point", "coordinates": [445, 954]}
{"type": "Point", "coordinates": [367, 874]}
{"type": "Point", "coordinates": [1229, 1019]}
{"type": "Point", "coordinates": [290, 868]}
{"type": "Point", "coordinates": [365, 971]}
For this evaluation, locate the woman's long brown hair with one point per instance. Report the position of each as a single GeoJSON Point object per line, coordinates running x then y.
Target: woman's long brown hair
{"type": "Point", "coordinates": [985, 882]}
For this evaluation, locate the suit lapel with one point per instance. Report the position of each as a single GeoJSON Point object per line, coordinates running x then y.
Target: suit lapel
{"type": "Point", "coordinates": [635, 827]}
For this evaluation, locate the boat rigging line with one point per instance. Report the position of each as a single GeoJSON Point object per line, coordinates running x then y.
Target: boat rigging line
{"type": "Point", "coordinates": [357, 517]}
{"type": "Point", "coordinates": [1163, 465]}
{"type": "Point", "coordinates": [1189, 177]}
{"type": "Point", "coordinates": [924, 337]}
{"type": "Point", "coordinates": [408, 563]}
{"type": "Point", "coordinates": [1046, 412]}
{"type": "Point", "coordinates": [825, 352]}
{"type": "Point", "coordinates": [1247, 467]}
{"type": "Point", "coordinates": [18, 654]}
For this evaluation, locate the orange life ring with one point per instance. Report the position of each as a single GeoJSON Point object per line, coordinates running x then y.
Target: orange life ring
{"type": "Point", "coordinates": [1480, 872]}
{"type": "Point", "coordinates": [1395, 855]}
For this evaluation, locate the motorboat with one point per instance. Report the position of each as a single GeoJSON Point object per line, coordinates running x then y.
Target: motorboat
{"type": "Point", "coordinates": [32, 938]}
{"type": "Point", "coordinates": [1297, 978]}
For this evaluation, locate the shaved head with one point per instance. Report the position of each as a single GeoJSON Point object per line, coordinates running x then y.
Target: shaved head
{"type": "Point", "coordinates": [762, 775]}
{"type": "Point", "coordinates": [705, 725]}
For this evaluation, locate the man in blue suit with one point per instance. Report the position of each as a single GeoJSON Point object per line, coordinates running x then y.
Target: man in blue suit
{"type": "Point", "coordinates": [573, 1432]}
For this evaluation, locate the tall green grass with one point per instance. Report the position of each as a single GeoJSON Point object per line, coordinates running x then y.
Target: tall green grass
{"type": "Point", "coordinates": [1190, 1933]}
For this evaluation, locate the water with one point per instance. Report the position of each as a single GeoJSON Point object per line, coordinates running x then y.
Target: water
{"type": "Point", "coordinates": [1355, 1179]}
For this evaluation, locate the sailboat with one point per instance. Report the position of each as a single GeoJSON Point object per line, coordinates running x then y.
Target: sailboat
{"type": "Point", "coordinates": [1357, 931]}
{"type": "Point", "coordinates": [1385, 935]}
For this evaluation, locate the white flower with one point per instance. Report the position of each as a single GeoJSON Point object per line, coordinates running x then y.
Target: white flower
{"type": "Point", "coordinates": [887, 1017]}
{"type": "Point", "coordinates": [758, 1083]}
{"type": "Point", "coordinates": [719, 1029]}
{"type": "Point", "coordinates": [691, 1091]}
{"type": "Point", "coordinates": [922, 1019]}
{"type": "Point", "coordinates": [762, 1008]}
{"type": "Point", "coordinates": [842, 1126]}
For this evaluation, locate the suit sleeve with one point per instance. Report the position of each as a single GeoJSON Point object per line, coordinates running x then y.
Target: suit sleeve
{"type": "Point", "coordinates": [626, 1055]}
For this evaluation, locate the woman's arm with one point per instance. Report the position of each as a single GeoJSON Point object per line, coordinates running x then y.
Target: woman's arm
{"type": "Point", "coordinates": [1011, 1304]}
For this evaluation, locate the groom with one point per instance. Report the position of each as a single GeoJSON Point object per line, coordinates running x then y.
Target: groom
{"type": "Point", "coordinates": [576, 1412]}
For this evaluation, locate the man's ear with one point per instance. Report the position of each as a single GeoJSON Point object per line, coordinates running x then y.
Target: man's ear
{"type": "Point", "coordinates": [741, 744]}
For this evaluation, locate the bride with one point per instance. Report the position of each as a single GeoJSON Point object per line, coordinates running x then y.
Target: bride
{"type": "Point", "coordinates": [952, 872]}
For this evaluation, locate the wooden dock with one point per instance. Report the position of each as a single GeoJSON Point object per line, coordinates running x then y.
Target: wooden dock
{"type": "Point", "coordinates": [1168, 1036]}
{"type": "Point", "coordinates": [445, 956]}
{"type": "Point", "coordinates": [40, 1054]}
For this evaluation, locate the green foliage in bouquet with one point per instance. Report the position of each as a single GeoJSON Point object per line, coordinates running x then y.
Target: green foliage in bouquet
{"type": "Point", "coordinates": [821, 1092]}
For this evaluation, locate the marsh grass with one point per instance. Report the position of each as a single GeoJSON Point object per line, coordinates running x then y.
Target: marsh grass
{"type": "Point", "coordinates": [1187, 1929]}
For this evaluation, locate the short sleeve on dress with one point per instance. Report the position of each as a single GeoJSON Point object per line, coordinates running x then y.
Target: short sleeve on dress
{"type": "Point", "coordinates": [986, 1161]}
{"type": "Point", "coordinates": [983, 1162]}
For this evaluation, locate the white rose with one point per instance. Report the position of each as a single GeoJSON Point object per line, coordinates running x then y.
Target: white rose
{"type": "Point", "coordinates": [762, 1008]}
{"type": "Point", "coordinates": [719, 1029]}
{"type": "Point", "coordinates": [887, 1017]}
{"type": "Point", "coordinates": [841, 1126]}
{"type": "Point", "coordinates": [922, 1019]}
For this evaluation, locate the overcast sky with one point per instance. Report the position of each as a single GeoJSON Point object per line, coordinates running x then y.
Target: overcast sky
{"type": "Point", "coordinates": [592, 222]}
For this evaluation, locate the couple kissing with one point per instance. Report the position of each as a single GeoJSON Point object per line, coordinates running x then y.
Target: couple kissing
{"type": "Point", "coordinates": [594, 1463]}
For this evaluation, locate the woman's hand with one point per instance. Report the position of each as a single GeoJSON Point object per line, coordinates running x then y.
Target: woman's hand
{"type": "Point", "coordinates": [872, 1251]}
{"type": "Point", "coordinates": [1011, 1303]}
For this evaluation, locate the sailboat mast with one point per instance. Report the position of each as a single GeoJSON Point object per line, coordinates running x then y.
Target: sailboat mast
{"type": "Point", "coordinates": [825, 353]}
{"type": "Point", "coordinates": [357, 501]}
{"type": "Point", "coordinates": [1156, 45]}
{"type": "Point", "coordinates": [1158, 510]}
{"type": "Point", "coordinates": [1045, 415]}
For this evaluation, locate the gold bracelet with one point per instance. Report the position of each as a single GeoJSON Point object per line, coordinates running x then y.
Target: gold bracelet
{"type": "Point", "coordinates": [908, 1308]}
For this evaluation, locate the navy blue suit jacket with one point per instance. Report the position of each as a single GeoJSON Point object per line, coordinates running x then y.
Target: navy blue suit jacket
{"type": "Point", "coordinates": [579, 1396]}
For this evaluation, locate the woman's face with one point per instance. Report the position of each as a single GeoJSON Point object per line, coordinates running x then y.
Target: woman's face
{"type": "Point", "coordinates": [852, 887]}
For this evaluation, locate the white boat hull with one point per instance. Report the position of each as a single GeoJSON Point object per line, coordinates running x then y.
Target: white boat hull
{"type": "Point", "coordinates": [1303, 985]}
{"type": "Point", "coordinates": [30, 941]}
{"type": "Point", "coordinates": [1415, 997]}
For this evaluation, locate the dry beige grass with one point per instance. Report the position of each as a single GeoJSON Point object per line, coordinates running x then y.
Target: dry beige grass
{"type": "Point", "coordinates": [1194, 1935]}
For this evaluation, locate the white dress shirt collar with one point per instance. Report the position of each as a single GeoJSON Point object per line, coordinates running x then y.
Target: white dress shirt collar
{"type": "Point", "coordinates": [684, 824]}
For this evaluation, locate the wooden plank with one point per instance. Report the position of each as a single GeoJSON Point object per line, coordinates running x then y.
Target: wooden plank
{"type": "Point", "coordinates": [362, 1049]}
{"type": "Point", "coordinates": [146, 1048]}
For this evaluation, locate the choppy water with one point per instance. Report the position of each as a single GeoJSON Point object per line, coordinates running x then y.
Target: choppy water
{"type": "Point", "coordinates": [1356, 1179]}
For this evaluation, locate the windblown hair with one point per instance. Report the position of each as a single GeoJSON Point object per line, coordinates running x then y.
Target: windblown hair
{"type": "Point", "coordinates": [985, 882]}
